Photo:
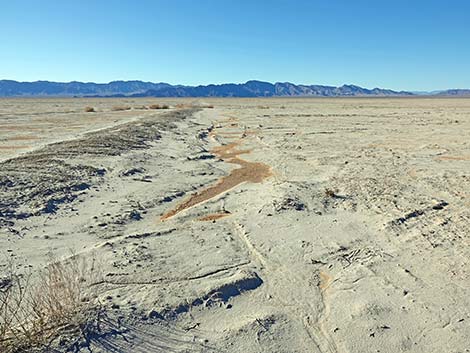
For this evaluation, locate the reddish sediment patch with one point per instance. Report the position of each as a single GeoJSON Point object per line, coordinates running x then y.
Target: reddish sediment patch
{"type": "Point", "coordinates": [213, 216]}
{"type": "Point", "coordinates": [23, 138]}
{"type": "Point", "coordinates": [13, 147]}
{"type": "Point", "coordinates": [21, 128]}
{"type": "Point", "coordinates": [251, 172]}
{"type": "Point", "coordinates": [325, 280]}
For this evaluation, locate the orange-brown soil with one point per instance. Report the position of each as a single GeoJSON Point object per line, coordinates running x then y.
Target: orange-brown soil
{"type": "Point", "coordinates": [252, 172]}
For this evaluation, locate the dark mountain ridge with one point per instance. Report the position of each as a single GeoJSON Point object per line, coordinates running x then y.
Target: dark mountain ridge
{"type": "Point", "coordinates": [9, 88]}
{"type": "Point", "coordinates": [455, 93]}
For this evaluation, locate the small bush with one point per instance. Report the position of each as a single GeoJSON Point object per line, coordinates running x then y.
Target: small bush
{"type": "Point", "coordinates": [89, 109]}
{"type": "Point", "coordinates": [159, 106]}
{"type": "Point", "coordinates": [33, 311]}
{"type": "Point", "coordinates": [331, 193]}
{"type": "Point", "coordinates": [121, 108]}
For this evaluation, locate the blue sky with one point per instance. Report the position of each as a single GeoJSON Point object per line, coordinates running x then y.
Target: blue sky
{"type": "Point", "coordinates": [412, 45]}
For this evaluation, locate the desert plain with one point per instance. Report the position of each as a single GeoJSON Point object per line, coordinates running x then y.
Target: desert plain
{"type": "Point", "coordinates": [249, 225]}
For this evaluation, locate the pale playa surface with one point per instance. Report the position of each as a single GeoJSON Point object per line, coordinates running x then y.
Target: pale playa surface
{"type": "Point", "coordinates": [378, 263]}
{"type": "Point", "coordinates": [28, 123]}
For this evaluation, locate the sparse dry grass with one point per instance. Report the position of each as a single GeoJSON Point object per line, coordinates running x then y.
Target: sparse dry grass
{"type": "Point", "coordinates": [159, 106]}
{"type": "Point", "coordinates": [35, 310]}
{"type": "Point", "coordinates": [89, 109]}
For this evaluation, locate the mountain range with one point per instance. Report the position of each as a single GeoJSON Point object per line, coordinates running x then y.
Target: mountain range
{"type": "Point", "coordinates": [10, 88]}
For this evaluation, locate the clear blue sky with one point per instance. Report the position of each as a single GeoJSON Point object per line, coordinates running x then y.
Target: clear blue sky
{"type": "Point", "coordinates": [399, 44]}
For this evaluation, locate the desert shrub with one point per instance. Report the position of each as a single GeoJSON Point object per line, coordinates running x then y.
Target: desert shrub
{"type": "Point", "coordinates": [89, 109]}
{"type": "Point", "coordinates": [193, 105]}
{"type": "Point", "coordinates": [184, 106]}
{"type": "Point", "coordinates": [36, 309]}
{"type": "Point", "coordinates": [331, 193]}
{"type": "Point", "coordinates": [159, 106]}
{"type": "Point", "coordinates": [120, 108]}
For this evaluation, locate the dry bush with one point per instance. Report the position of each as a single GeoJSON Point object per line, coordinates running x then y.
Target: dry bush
{"type": "Point", "coordinates": [89, 109]}
{"type": "Point", "coordinates": [36, 310]}
{"type": "Point", "coordinates": [331, 193]}
{"type": "Point", "coordinates": [159, 106]}
{"type": "Point", "coordinates": [184, 106]}
{"type": "Point", "coordinates": [193, 105]}
{"type": "Point", "coordinates": [120, 108]}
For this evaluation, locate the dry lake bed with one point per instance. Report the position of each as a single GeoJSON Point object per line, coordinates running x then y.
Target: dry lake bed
{"type": "Point", "coordinates": [250, 225]}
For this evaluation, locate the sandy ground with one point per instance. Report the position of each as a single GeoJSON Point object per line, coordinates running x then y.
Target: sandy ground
{"type": "Point", "coordinates": [262, 225]}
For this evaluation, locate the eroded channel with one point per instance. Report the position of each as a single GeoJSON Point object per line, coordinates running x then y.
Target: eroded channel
{"type": "Point", "coordinates": [251, 172]}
